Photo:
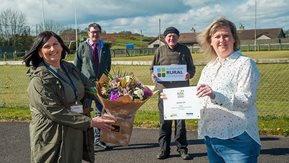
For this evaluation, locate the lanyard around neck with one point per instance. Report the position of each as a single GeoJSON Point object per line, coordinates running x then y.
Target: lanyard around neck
{"type": "Point", "coordinates": [70, 83]}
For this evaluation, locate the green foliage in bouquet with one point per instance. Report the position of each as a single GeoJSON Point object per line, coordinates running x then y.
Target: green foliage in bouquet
{"type": "Point", "coordinates": [121, 84]}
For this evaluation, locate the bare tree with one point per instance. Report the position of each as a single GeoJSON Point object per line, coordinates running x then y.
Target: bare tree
{"type": "Point", "coordinates": [12, 23]}
{"type": "Point", "coordinates": [50, 26]}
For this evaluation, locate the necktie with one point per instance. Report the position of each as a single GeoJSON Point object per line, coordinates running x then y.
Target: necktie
{"type": "Point", "coordinates": [95, 55]}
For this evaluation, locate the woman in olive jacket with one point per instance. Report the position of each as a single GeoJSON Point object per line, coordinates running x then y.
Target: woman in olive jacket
{"type": "Point", "coordinates": [59, 129]}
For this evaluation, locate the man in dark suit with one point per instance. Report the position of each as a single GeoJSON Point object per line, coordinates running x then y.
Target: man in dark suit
{"type": "Point", "coordinates": [93, 59]}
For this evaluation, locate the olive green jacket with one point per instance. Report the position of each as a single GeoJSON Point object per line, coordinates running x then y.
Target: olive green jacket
{"type": "Point", "coordinates": [56, 133]}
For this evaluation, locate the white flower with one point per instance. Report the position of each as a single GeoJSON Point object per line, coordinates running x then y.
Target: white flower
{"type": "Point", "coordinates": [127, 78]}
{"type": "Point", "coordinates": [139, 93]}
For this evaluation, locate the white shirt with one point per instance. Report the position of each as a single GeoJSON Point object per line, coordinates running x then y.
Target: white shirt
{"type": "Point", "coordinates": [233, 110]}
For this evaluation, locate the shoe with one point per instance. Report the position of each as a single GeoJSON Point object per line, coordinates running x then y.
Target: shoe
{"type": "Point", "coordinates": [101, 146]}
{"type": "Point", "coordinates": [108, 148]}
{"type": "Point", "coordinates": [163, 155]}
{"type": "Point", "coordinates": [184, 154]}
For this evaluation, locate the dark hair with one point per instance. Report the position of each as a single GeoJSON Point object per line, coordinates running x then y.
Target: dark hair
{"type": "Point", "coordinates": [94, 25]}
{"type": "Point", "coordinates": [32, 56]}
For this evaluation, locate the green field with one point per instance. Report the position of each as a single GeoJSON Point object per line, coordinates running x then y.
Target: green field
{"type": "Point", "coordinates": [272, 97]}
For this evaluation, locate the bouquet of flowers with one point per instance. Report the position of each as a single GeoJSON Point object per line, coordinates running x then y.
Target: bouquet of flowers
{"type": "Point", "coordinates": [121, 95]}
{"type": "Point", "coordinates": [117, 86]}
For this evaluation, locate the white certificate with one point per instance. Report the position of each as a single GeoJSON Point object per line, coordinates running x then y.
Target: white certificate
{"type": "Point", "coordinates": [182, 103]}
{"type": "Point", "coordinates": [170, 72]}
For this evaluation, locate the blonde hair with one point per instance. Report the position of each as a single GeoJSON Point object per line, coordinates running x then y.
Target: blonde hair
{"type": "Point", "coordinates": [204, 38]}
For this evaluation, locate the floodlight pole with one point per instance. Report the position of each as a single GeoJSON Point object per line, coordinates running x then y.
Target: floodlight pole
{"type": "Point", "coordinates": [140, 38]}
{"type": "Point", "coordinates": [255, 39]}
{"type": "Point", "coordinates": [75, 21]}
{"type": "Point", "coordinates": [43, 17]}
{"type": "Point", "coordinates": [159, 32]}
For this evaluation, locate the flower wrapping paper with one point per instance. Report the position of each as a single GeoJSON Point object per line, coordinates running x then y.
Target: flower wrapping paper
{"type": "Point", "coordinates": [123, 109]}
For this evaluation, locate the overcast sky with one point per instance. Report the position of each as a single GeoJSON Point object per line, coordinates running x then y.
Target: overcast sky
{"type": "Point", "coordinates": [144, 15]}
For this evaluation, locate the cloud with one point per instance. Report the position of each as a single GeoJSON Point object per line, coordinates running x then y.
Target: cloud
{"type": "Point", "coordinates": [267, 16]}
{"type": "Point", "coordinates": [148, 15]}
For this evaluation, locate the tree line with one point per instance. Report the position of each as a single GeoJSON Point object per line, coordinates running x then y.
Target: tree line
{"type": "Point", "coordinates": [16, 35]}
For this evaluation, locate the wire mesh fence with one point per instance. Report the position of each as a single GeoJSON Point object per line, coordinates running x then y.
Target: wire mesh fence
{"type": "Point", "coordinates": [264, 45]}
{"type": "Point", "coordinates": [272, 96]}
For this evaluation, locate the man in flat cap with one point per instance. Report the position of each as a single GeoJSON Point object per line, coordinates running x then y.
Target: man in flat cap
{"type": "Point", "coordinates": [172, 53]}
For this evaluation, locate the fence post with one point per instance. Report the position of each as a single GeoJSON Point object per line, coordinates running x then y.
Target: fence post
{"type": "Point", "coordinates": [15, 55]}
{"type": "Point", "coordinates": [113, 52]}
{"type": "Point", "coordinates": [126, 53]}
{"type": "Point", "coordinates": [5, 56]}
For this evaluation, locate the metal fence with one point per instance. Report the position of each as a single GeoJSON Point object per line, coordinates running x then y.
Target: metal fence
{"type": "Point", "coordinates": [16, 55]}
{"type": "Point", "coordinates": [265, 47]}
{"type": "Point", "coordinates": [272, 97]}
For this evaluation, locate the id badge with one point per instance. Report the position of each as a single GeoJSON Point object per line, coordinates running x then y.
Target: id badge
{"type": "Point", "coordinates": [76, 108]}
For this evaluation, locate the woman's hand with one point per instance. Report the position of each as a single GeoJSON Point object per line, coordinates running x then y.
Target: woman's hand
{"type": "Point", "coordinates": [153, 77]}
{"type": "Point", "coordinates": [103, 124]}
{"type": "Point", "coordinates": [205, 90]}
{"type": "Point", "coordinates": [163, 96]}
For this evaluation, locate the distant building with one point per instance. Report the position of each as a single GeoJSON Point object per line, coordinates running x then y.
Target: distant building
{"type": "Point", "coordinates": [188, 39]}
{"type": "Point", "coordinates": [270, 35]}
{"type": "Point", "coordinates": [68, 35]}
{"type": "Point", "coordinates": [156, 42]}
{"type": "Point", "coordinates": [247, 36]}
{"type": "Point", "coordinates": [261, 34]}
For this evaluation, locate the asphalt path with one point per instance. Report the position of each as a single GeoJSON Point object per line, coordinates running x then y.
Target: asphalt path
{"type": "Point", "coordinates": [143, 147]}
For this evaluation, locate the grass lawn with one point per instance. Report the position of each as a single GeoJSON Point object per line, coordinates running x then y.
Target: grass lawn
{"type": "Point", "coordinates": [272, 97]}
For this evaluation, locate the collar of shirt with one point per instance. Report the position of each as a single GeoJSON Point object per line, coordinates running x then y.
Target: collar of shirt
{"type": "Point", "coordinates": [230, 59]}
{"type": "Point", "coordinates": [92, 44]}
{"type": "Point", "coordinates": [100, 44]}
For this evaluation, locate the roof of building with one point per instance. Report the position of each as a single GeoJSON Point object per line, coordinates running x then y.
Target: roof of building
{"type": "Point", "coordinates": [188, 38]}
{"type": "Point", "coordinates": [184, 38]}
{"type": "Point", "coordinates": [244, 34]}
{"type": "Point", "coordinates": [272, 33]}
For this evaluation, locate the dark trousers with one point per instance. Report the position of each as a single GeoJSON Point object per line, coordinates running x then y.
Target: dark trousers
{"type": "Point", "coordinates": [165, 131]}
{"type": "Point", "coordinates": [97, 112]}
